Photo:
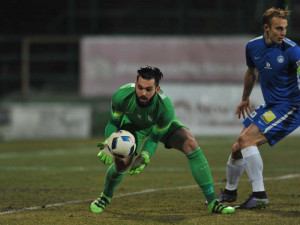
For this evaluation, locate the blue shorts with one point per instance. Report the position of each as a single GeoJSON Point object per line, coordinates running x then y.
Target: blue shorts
{"type": "Point", "coordinates": [275, 122]}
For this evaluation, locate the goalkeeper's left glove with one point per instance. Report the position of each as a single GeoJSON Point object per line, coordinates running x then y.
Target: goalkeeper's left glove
{"type": "Point", "coordinates": [104, 155]}
{"type": "Point", "coordinates": [139, 163]}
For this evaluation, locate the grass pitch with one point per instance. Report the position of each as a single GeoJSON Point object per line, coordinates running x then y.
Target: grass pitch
{"type": "Point", "coordinates": [54, 182]}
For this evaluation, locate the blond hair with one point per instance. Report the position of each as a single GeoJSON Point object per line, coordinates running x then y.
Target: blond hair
{"type": "Point", "coordinates": [274, 12]}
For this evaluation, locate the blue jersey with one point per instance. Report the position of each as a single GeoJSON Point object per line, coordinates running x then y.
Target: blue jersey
{"type": "Point", "coordinates": [277, 65]}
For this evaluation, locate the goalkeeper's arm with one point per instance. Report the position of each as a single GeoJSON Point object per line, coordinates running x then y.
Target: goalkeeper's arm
{"type": "Point", "coordinates": [156, 134]}
{"type": "Point", "coordinates": [148, 150]}
{"type": "Point", "coordinates": [114, 123]}
{"type": "Point", "coordinates": [112, 126]}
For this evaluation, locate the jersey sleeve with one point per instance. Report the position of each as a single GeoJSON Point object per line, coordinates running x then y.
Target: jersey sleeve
{"type": "Point", "coordinates": [165, 118]}
{"type": "Point", "coordinates": [116, 114]}
{"type": "Point", "coordinates": [249, 60]}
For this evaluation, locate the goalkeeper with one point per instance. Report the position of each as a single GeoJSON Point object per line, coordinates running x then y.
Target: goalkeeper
{"type": "Point", "coordinates": [145, 111]}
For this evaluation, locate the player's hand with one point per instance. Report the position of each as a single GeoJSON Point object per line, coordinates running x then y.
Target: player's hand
{"type": "Point", "coordinates": [104, 155]}
{"type": "Point", "coordinates": [139, 163]}
{"type": "Point", "coordinates": [244, 109]}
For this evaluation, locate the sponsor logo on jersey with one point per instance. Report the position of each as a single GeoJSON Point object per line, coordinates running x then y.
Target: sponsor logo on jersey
{"type": "Point", "coordinates": [268, 116]}
{"type": "Point", "coordinates": [280, 59]}
{"type": "Point", "coordinates": [268, 66]}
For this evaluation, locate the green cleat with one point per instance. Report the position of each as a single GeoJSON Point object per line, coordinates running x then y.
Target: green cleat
{"type": "Point", "coordinates": [218, 207]}
{"type": "Point", "coordinates": [99, 204]}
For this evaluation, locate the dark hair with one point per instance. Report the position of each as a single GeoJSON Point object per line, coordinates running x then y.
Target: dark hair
{"type": "Point", "coordinates": [273, 12]}
{"type": "Point", "coordinates": [150, 72]}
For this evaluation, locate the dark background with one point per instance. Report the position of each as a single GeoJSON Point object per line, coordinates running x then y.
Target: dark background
{"type": "Point", "coordinates": [52, 30]}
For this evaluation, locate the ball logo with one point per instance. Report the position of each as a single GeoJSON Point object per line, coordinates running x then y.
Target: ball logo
{"type": "Point", "coordinates": [280, 59]}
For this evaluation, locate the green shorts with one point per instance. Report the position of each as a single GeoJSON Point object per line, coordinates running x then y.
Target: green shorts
{"type": "Point", "coordinates": [175, 125]}
{"type": "Point", "coordinates": [141, 135]}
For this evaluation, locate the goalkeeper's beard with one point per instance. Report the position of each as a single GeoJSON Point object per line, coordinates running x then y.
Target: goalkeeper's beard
{"type": "Point", "coordinates": [142, 104]}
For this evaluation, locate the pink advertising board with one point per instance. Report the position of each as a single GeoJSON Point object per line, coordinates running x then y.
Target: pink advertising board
{"type": "Point", "coordinates": [110, 62]}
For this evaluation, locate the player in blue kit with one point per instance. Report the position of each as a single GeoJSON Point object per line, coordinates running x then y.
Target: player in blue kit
{"type": "Point", "coordinates": [276, 60]}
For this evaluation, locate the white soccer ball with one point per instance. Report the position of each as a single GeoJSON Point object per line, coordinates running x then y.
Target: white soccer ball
{"type": "Point", "coordinates": [121, 144]}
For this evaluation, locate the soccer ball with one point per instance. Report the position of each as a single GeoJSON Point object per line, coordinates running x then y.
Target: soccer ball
{"type": "Point", "coordinates": [121, 144]}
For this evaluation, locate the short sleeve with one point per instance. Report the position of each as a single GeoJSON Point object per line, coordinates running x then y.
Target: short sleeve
{"type": "Point", "coordinates": [249, 60]}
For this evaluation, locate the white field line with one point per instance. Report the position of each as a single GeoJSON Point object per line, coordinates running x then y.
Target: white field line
{"type": "Point", "coordinates": [288, 176]}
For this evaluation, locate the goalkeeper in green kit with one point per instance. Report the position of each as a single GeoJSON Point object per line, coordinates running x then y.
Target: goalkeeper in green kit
{"type": "Point", "coordinates": [143, 109]}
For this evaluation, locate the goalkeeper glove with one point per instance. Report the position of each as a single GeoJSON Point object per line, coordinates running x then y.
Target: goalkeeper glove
{"type": "Point", "coordinates": [104, 155]}
{"type": "Point", "coordinates": [139, 163]}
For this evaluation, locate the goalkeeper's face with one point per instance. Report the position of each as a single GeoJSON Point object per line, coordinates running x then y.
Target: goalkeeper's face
{"type": "Point", "coordinates": [145, 91]}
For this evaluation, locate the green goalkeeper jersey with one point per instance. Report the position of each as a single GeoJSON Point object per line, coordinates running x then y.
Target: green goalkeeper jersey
{"type": "Point", "coordinates": [152, 121]}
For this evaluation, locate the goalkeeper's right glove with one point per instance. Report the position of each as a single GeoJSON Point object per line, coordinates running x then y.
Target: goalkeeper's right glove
{"type": "Point", "coordinates": [140, 162]}
{"type": "Point", "coordinates": [104, 155]}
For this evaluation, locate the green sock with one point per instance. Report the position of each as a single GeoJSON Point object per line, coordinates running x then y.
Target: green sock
{"type": "Point", "coordinates": [113, 179]}
{"type": "Point", "coordinates": [201, 173]}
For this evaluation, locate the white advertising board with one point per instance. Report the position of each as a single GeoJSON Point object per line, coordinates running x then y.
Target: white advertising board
{"type": "Point", "coordinates": [45, 121]}
{"type": "Point", "coordinates": [209, 109]}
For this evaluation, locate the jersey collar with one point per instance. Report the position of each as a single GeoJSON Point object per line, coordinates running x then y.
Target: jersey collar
{"type": "Point", "coordinates": [271, 45]}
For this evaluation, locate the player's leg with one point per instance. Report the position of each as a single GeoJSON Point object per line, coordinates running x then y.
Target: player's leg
{"type": "Point", "coordinates": [268, 124]}
{"type": "Point", "coordinates": [117, 171]}
{"type": "Point", "coordinates": [249, 137]}
{"type": "Point", "coordinates": [248, 142]}
{"type": "Point", "coordinates": [114, 176]}
{"type": "Point", "coordinates": [234, 169]}
{"type": "Point", "coordinates": [183, 140]}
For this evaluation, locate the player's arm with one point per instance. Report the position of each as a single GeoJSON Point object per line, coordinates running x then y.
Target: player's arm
{"type": "Point", "coordinates": [156, 134]}
{"type": "Point", "coordinates": [158, 130]}
{"type": "Point", "coordinates": [249, 82]}
{"type": "Point", "coordinates": [244, 108]}
{"type": "Point", "coordinates": [148, 149]}
{"type": "Point", "coordinates": [163, 122]}
{"type": "Point", "coordinates": [114, 122]}
{"type": "Point", "coordinates": [116, 115]}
